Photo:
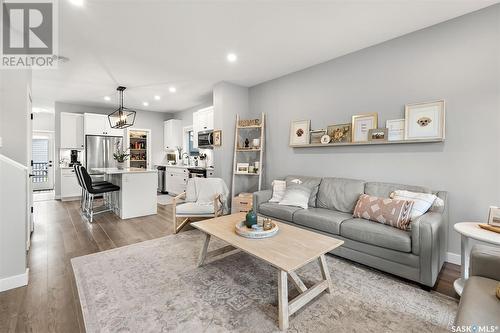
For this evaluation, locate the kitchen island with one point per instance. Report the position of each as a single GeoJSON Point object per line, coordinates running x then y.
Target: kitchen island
{"type": "Point", "coordinates": [137, 195]}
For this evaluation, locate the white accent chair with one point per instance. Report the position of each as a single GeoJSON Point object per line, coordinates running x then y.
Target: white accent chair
{"type": "Point", "coordinates": [204, 198]}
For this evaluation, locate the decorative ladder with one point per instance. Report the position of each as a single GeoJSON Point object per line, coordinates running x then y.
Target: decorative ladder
{"type": "Point", "coordinates": [240, 150]}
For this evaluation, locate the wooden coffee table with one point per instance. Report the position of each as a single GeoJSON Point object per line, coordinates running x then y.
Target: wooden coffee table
{"type": "Point", "coordinates": [289, 250]}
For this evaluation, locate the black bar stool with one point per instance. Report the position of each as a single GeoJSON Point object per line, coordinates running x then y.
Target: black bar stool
{"type": "Point", "coordinates": [93, 190]}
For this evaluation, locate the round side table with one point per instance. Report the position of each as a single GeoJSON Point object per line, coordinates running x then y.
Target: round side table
{"type": "Point", "coordinates": [471, 230]}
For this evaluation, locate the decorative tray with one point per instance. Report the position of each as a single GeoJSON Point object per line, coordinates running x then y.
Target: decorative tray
{"type": "Point", "coordinates": [242, 230]}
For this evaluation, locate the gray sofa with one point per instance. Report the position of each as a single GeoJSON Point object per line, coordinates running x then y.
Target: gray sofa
{"type": "Point", "coordinates": [479, 304]}
{"type": "Point", "coordinates": [417, 255]}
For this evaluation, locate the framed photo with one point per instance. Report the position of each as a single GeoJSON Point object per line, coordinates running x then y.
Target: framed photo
{"type": "Point", "coordinates": [316, 135]}
{"type": "Point", "coordinates": [218, 138]}
{"type": "Point", "coordinates": [395, 129]}
{"type": "Point", "coordinates": [494, 216]}
{"type": "Point", "coordinates": [361, 124]}
{"type": "Point", "coordinates": [379, 134]}
{"type": "Point", "coordinates": [425, 121]}
{"type": "Point", "coordinates": [242, 167]}
{"type": "Point", "coordinates": [299, 132]}
{"type": "Point", "coordinates": [340, 133]}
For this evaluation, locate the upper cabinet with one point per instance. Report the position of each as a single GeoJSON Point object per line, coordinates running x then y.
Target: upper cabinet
{"type": "Point", "coordinates": [98, 124]}
{"type": "Point", "coordinates": [172, 134]}
{"type": "Point", "coordinates": [71, 130]}
{"type": "Point", "coordinates": [203, 120]}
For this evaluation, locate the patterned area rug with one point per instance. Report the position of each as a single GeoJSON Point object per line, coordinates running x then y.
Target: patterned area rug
{"type": "Point", "coordinates": [155, 286]}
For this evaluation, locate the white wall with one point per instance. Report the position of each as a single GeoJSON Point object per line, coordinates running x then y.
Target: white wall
{"type": "Point", "coordinates": [44, 121]}
{"type": "Point", "coordinates": [457, 60]}
{"type": "Point", "coordinates": [16, 138]}
{"type": "Point", "coordinates": [143, 120]}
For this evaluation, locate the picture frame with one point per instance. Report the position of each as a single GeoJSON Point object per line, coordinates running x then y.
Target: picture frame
{"type": "Point", "coordinates": [425, 121]}
{"type": "Point", "coordinates": [217, 138]}
{"type": "Point", "coordinates": [395, 129]}
{"type": "Point", "coordinates": [361, 124]}
{"type": "Point", "coordinates": [242, 167]}
{"type": "Point", "coordinates": [316, 135]}
{"type": "Point", "coordinates": [299, 132]}
{"type": "Point", "coordinates": [494, 216]}
{"type": "Point", "coordinates": [377, 134]}
{"type": "Point", "coordinates": [341, 133]}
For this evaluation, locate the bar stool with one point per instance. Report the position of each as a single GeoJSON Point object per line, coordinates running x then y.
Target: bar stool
{"type": "Point", "coordinates": [92, 191]}
{"type": "Point", "coordinates": [84, 196]}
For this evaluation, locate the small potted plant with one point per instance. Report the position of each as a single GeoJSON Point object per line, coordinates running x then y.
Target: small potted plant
{"type": "Point", "coordinates": [120, 156]}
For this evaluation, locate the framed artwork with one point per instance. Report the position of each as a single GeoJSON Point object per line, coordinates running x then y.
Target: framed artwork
{"type": "Point", "coordinates": [378, 134]}
{"type": "Point", "coordinates": [242, 167]}
{"type": "Point", "coordinates": [395, 129]}
{"type": "Point", "coordinates": [340, 133]}
{"type": "Point", "coordinates": [299, 132]}
{"type": "Point", "coordinates": [425, 121]}
{"type": "Point", "coordinates": [218, 138]}
{"type": "Point", "coordinates": [361, 124]}
{"type": "Point", "coordinates": [316, 135]}
{"type": "Point", "coordinates": [494, 216]}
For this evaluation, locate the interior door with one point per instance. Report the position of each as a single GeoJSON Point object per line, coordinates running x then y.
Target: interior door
{"type": "Point", "coordinates": [42, 157]}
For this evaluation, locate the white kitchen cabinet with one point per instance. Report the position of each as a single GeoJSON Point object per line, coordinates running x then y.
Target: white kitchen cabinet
{"type": "Point", "coordinates": [69, 184]}
{"type": "Point", "coordinates": [172, 134]}
{"type": "Point", "coordinates": [203, 120]}
{"type": "Point", "coordinates": [71, 130]}
{"type": "Point", "coordinates": [176, 180]}
{"type": "Point", "coordinates": [98, 124]}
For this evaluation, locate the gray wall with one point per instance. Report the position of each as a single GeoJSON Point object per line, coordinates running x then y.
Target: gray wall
{"type": "Point", "coordinates": [457, 61]}
{"type": "Point", "coordinates": [143, 120]}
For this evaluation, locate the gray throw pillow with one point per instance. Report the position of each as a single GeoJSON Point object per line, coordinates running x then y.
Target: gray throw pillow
{"type": "Point", "coordinates": [296, 195]}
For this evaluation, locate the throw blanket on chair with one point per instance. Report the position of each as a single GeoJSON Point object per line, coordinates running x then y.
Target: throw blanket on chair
{"type": "Point", "coordinates": [207, 188]}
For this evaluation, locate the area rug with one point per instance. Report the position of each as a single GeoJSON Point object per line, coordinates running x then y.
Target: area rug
{"type": "Point", "coordinates": [155, 286]}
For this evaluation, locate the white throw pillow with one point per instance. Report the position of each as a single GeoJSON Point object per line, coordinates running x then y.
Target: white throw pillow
{"type": "Point", "coordinates": [279, 187]}
{"type": "Point", "coordinates": [296, 195]}
{"type": "Point", "coordinates": [422, 201]}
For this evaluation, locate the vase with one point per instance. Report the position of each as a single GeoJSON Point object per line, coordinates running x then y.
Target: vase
{"type": "Point", "coordinates": [120, 165]}
{"type": "Point", "coordinates": [250, 219]}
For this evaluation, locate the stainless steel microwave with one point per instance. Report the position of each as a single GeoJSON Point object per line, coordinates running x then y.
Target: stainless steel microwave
{"type": "Point", "coordinates": [206, 139]}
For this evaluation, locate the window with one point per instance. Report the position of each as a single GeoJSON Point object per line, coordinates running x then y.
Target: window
{"type": "Point", "coordinates": [192, 151]}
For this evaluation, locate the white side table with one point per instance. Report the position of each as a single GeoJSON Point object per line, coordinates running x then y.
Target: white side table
{"type": "Point", "coordinates": [473, 231]}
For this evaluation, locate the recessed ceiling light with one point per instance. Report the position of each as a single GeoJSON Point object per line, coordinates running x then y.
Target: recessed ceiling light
{"type": "Point", "coordinates": [78, 3]}
{"type": "Point", "coordinates": [172, 89]}
{"type": "Point", "coordinates": [231, 57]}
{"type": "Point", "coordinates": [157, 98]}
{"type": "Point", "coordinates": [145, 103]}
{"type": "Point", "coordinates": [107, 98]}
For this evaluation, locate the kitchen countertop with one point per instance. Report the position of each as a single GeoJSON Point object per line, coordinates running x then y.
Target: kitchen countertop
{"type": "Point", "coordinates": [115, 171]}
{"type": "Point", "coordinates": [179, 166]}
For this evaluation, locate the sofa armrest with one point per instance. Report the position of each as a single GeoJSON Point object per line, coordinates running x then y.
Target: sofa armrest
{"type": "Point", "coordinates": [429, 243]}
{"type": "Point", "coordinates": [261, 197]}
{"type": "Point", "coordinates": [485, 262]}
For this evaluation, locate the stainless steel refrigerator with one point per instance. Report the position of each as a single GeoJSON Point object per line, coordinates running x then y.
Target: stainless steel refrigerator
{"type": "Point", "coordinates": [99, 153]}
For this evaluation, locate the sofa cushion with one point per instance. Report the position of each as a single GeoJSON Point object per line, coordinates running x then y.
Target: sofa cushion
{"type": "Point", "coordinates": [384, 190]}
{"type": "Point", "coordinates": [321, 219]}
{"type": "Point", "coordinates": [339, 193]}
{"type": "Point", "coordinates": [281, 212]}
{"type": "Point", "coordinates": [312, 182]}
{"type": "Point", "coordinates": [395, 213]}
{"type": "Point", "coordinates": [479, 304]}
{"type": "Point", "coordinates": [377, 234]}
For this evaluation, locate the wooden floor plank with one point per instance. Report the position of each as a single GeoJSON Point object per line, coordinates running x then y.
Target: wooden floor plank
{"type": "Point", "coordinates": [50, 302]}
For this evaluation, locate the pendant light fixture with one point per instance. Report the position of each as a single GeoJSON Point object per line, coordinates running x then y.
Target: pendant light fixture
{"type": "Point", "coordinates": [122, 117]}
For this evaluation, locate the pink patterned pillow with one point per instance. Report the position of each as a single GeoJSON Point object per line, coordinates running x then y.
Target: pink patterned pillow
{"type": "Point", "coordinates": [393, 212]}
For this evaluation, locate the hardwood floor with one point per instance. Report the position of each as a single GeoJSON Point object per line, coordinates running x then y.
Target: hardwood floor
{"type": "Point", "coordinates": [50, 302]}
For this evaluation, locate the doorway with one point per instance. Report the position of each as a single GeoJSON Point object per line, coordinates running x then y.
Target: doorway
{"type": "Point", "coordinates": [42, 161]}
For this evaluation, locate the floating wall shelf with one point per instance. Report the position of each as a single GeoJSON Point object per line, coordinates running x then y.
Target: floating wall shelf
{"type": "Point", "coordinates": [365, 143]}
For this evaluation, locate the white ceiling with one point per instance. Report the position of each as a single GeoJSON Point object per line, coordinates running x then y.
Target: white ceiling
{"type": "Point", "coordinates": [149, 46]}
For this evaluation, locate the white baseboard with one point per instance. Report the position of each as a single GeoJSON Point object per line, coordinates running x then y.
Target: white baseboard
{"type": "Point", "coordinates": [15, 281]}
{"type": "Point", "coordinates": [453, 258]}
